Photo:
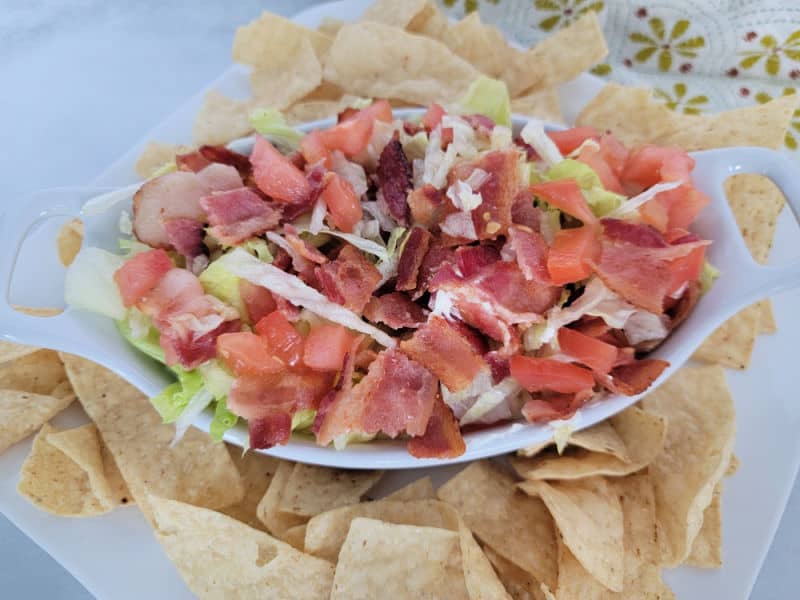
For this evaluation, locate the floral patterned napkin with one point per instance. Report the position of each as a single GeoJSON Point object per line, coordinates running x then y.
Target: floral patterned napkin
{"type": "Point", "coordinates": [697, 57]}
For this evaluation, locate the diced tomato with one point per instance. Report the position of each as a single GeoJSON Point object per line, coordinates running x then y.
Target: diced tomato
{"type": "Point", "coordinates": [433, 116]}
{"type": "Point", "coordinates": [344, 206]}
{"type": "Point", "coordinates": [570, 139]}
{"type": "Point", "coordinates": [281, 336]}
{"type": "Point", "coordinates": [140, 274]}
{"type": "Point", "coordinates": [326, 347]}
{"type": "Point", "coordinates": [566, 195]}
{"type": "Point", "coordinates": [379, 110]}
{"type": "Point", "coordinates": [247, 354]}
{"type": "Point", "coordinates": [257, 300]}
{"type": "Point", "coordinates": [655, 213]}
{"type": "Point", "coordinates": [313, 149]}
{"type": "Point", "coordinates": [571, 254]}
{"type": "Point", "coordinates": [538, 374]}
{"type": "Point", "coordinates": [349, 137]}
{"type": "Point", "coordinates": [685, 269]}
{"type": "Point", "coordinates": [587, 350]}
{"type": "Point", "coordinates": [276, 176]}
{"type": "Point", "coordinates": [676, 208]}
{"type": "Point", "coordinates": [595, 159]}
{"type": "Point", "coordinates": [649, 165]}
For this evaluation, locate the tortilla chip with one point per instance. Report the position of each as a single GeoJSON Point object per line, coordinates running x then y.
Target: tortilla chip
{"type": "Point", "coordinates": [430, 22]}
{"type": "Point", "coordinates": [707, 546]}
{"type": "Point", "coordinates": [520, 584]}
{"type": "Point", "coordinates": [277, 522]}
{"type": "Point", "coordinates": [269, 41]}
{"type": "Point", "coordinates": [40, 372]}
{"type": "Point", "coordinates": [22, 413]}
{"type": "Point", "coordinates": [601, 437]}
{"type": "Point", "coordinates": [637, 496]}
{"type": "Point", "coordinates": [588, 514]}
{"type": "Point", "coordinates": [256, 470]}
{"type": "Point", "coordinates": [221, 119]}
{"type": "Point", "coordinates": [11, 351]}
{"type": "Point", "coordinates": [384, 560]}
{"type": "Point", "coordinates": [155, 155]}
{"type": "Point", "coordinates": [55, 483]}
{"type": "Point", "coordinates": [733, 466]}
{"type": "Point", "coordinates": [516, 526]}
{"type": "Point", "coordinates": [119, 488]}
{"type": "Point", "coordinates": [642, 435]}
{"type": "Point", "coordinates": [482, 46]}
{"type": "Point", "coordinates": [558, 58]}
{"type": "Point", "coordinates": [330, 26]}
{"type": "Point", "coordinates": [196, 470]}
{"type": "Point", "coordinates": [702, 427]}
{"type": "Point", "coordinates": [296, 537]}
{"type": "Point", "coordinates": [375, 60]}
{"type": "Point", "coordinates": [311, 490]}
{"type": "Point", "coordinates": [766, 321]}
{"type": "Point", "coordinates": [69, 240]}
{"type": "Point", "coordinates": [481, 580]}
{"type": "Point", "coordinates": [731, 344]}
{"type": "Point", "coordinates": [629, 112]}
{"type": "Point", "coordinates": [397, 13]}
{"type": "Point", "coordinates": [543, 105]}
{"type": "Point", "coordinates": [82, 446]}
{"type": "Point", "coordinates": [220, 557]}
{"type": "Point", "coordinates": [326, 532]}
{"type": "Point", "coordinates": [421, 489]}
{"type": "Point", "coordinates": [280, 86]}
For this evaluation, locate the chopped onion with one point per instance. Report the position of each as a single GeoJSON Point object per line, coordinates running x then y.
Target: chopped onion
{"type": "Point", "coordinates": [459, 224]}
{"type": "Point", "coordinates": [317, 221]}
{"type": "Point", "coordinates": [534, 134]}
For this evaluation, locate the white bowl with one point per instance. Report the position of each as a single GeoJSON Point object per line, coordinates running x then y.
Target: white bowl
{"type": "Point", "coordinates": [28, 266]}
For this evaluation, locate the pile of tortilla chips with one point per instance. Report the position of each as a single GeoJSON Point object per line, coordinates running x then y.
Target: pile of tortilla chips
{"type": "Point", "coordinates": [597, 517]}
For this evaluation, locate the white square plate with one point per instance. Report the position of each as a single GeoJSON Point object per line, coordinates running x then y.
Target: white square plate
{"type": "Point", "coordinates": [116, 556]}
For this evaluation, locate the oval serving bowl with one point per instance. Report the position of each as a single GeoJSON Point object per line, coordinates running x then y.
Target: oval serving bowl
{"type": "Point", "coordinates": [741, 283]}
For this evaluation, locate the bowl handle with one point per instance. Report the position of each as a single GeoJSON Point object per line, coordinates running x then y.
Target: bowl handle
{"type": "Point", "coordinates": [718, 165]}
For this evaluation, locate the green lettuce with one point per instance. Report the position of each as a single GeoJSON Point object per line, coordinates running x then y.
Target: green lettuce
{"type": "Point", "coordinates": [303, 419]}
{"type": "Point", "coordinates": [223, 420]}
{"type": "Point", "coordinates": [708, 275]}
{"type": "Point", "coordinates": [147, 343]}
{"type": "Point", "coordinates": [489, 97]}
{"type": "Point", "coordinates": [223, 284]}
{"type": "Point", "coordinates": [258, 248]}
{"type": "Point", "coordinates": [599, 199]}
{"type": "Point", "coordinates": [271, 124]}
{"type": "Point", "coordinates": [174, 398]}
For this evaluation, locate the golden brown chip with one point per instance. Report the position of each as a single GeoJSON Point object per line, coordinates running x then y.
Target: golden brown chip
{"type": "Point", "coordinates": [256, 470]}
{"type": "Point", "coordinates": [430, 22]}
{"type": "Point", "coordinates": [637, 496]}
{"type": "Point", "coordinates": [558, 58]}
{"type": "Point", "coordinates": [277, 522]}
{"type": "Point", "coordinates": [421, 489]}
{"type": "Point", "coordinates": [195, 470]}
{"type": "Point", "coordinates": [482, 46]}
{"type": "Point", "coordinates": [326, 532]}
{"type": "Point", "coordinates": [766, 322]}
{"type": "Point", "coordinates": [520, 584]}
{"type": "Point", "coordinates": [22, 413]}
{"type": "Point", "coordinates": [69, 240]}
{"type": "Point", "coordinates": [601, 437]}
{"type": "Point", "coordinates": [375, 60]}
{"type": "Point", "coordinates": [397, 13]}
{"type": "Point", "coordinates": [707, 546]}
{"type": "Point", "coordinates": [55, 483]}
{"type": "Point", "coordinates": [542, 105]}
{"type": "Point", "coordinates": [588, 515]}
{"type": "Point", "coordinates": [11, 351]}
{"type": "Point", "coordinates": [222, 119]}
{"type": "Point", "coordinates": [220, 557]}
{"type": "Point", "coordinates": [642, 435]}
{"type": "Point", "coordinates": [733, 466]}
{"type": "Point", "coordinates": [39, 373]}
{"type": "Point", "coordinates": [311, 490]}
{"type": "Point", "coordinates": [481, 580]}
{"type": "Point", "coordinates": [731, 344]}
{"type": "Point", "coordinates": [329, 26]}
{"type": "Point", "coordinates": [513, 524]}
{"type": "Point", "coordinates": [278, 86]}
{"type": "Point", "coordinates": [269, 41]}
{"type": "Point", "coordinates": [702, 426]}
{"type": "Point", "coordinates": [155, 155]}
{"type": "Point", "coordinates": [296, 537]}
{"type": "Point", "coordinates": [119, 489]}
{"type": "Point", "coordinates": [383, 560]}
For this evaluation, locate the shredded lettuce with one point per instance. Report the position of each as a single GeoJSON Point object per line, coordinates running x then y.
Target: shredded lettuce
{"type": "Point", "coordinates": [216, 378]}
{"type": "Point", "coordinates": [146, 341]}
{"type": "Point", "coordinates": [600, 200]}
{"type": "Point", "coordinates": [303, 419]}
{"type": "Point", "coordinates": [167, 167]}
{"type": "Point", "coordinates": [223, 421]}
{"type": "Point", "coordinates": [271, 124]}
{"type": "Point", "coordinates": [632, 204]}
{"type": "Point", "coordinates": [90, 285]}
{"type": "Point", "coordinates": [173, 399]}
{"type": "Point", "coordinates": [495, 404]}
{"type": "Point", "coordinates": [415, 145]}
{"type": "Point", "coordinates": [223, 284]}
{"type": "Point", "coordinates": [258, 248]}
{"type": "Point", "coordinates": [708, 275]}
{"type": "Point", "coordinates": [197, 404]}
{"type": "Point", "coordinates": [365, 245]}
{"type": "Point", "coordinates": [489, 97]}
{"type": "Point", "coordinates": [352, 437]}
{"type": "Point", "coordinates": [132, 247]}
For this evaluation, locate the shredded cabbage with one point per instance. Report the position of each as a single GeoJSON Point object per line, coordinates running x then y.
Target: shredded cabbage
{"type": "Point", "coordinates": [90, 285]}
{"type": "Point", "coordinates": [271, 124]}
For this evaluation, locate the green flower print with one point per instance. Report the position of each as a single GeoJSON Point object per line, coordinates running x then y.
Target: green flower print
{"type": "Point", "coordinates": [601, 70]}
{"type": "Point", "coordinates": [469, 5]}
{"type": "Point", "coordinates": [790, 141]}
{"type": "Point", "coordinates": [772, 51]}
{"type": "Point", "coordinates": [665, 45]}
{"type": "Point", "coordinates": [678, 100]}
{"type": "Point", "coordinates": [566, 11]}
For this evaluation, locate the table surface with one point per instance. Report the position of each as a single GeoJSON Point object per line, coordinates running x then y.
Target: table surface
{"type": "Point", "coordinates": [82, 81]}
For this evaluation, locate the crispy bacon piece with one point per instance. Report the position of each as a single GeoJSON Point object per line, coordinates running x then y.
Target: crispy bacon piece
{"type": "Point", "coordinates": [499, 365]}
{"type": "Point", "coordinates": [637, 276]}
{"type": "Point", "coordinates": [428, 206]}
{"type": "Point", "coordinates": [344, 386]}
{"type": "Point", "coordinates": [302, 247]}
{"type": "Point", "coordinates": [633, 378]}
{"type": "Point", "coordinates": [685, 304]}
{"type": "Point", "coordinates": [349, 280]}
{"type": "Point", "coordinates": [637, 234]}
{"type": "Point", "coordinates": [395, 310]}
{"type": "Point", "coordinates": [471, 259]}
{"type": "Point", "coordinates": [275, 428]}
{"type": "Point", "coordinates": [185, 347]}
{"type": "Point", "coordinates": [171, 196]}
{"type": "Point", "coordinates": [414, 251]}
{"type": "Point", "coordinates": [191, 161]}
{"type": "Point", "coordinates": [549, 407]}
{"type": "Point", "coordinates": [523, 212]}
{"type": "Point", "coordinates": [239, 214]}
{"type": "Point", "coordinates": [437, 257]}
{"type": "Point", "coordinates": [394, 179]}
{"type": "Point", "coordinates": [439, 347]}
{"type": "Point", "coordinates": [186, 236]}
{"type": "Point", "coordinates": [530, 250]}
{"type": "Point", "coordinates": [442, 437]}
{"type": "Point", "coordinates": [219, 178]}
{"type": "Point", "coordinates": [226, 156]}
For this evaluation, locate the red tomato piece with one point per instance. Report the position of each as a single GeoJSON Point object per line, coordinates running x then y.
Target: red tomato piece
{"type": "Point", "coordinates": [433, 116]}
{"type": "Point", "coordinates": [676, 208]}
{"type": "Point", "coordinates": [281, 337]}
{"type": "Point", "coordinates": [326, 347]}
{"type": "Point", "coordinates": [276, 176]}
{"type": "Point", "coordinates": [313, 149]}
{"type": "Point", "coordinates": [246, 353]}
{"type": "Point", "coordinates": [565, 195]}
{"type": "Point", "coordinates": [586, 350]}
{"type": "Point", "coordinates": [344, 207]}
{"type": "Point", "coordinates": [649, 165]}
{"type": "Point", "coordinates": [613, 152]}
{"type": "Point", "coordinates": [140, 274]}
{"type": "Point", "coordinates": [538, 374]}
{"type": "Point", "coordinates": [571, 254]}
{"type": "Point", "coordinates": [685, 269]}
{"type": "Point", "coordinates": [257, 300]}
{"type": "Point", "coordinates": [594, 159]}
{"type": "Point", "coordinates": [570, 139]}
{"type": "Point", "coordinates": [379, 110]}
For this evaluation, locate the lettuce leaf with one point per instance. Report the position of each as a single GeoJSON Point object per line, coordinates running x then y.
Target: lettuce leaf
{"type": "Point", "coordinates": [223, 421]}
{"type": "Point", "coordinates": [600, 200]}
{"type": "Point", "coordinates": [223, 284]}
{"type": "Point", "coordinates": [148, 343]}
{"type": "Point", "coordinates": [303, 419]}
{"type": "Point", "coordinates": [271, 124]}
{"type": "Point", "coordinates": [173, 399]}
{"type": "Point", "coordinates": [489, 97]}
{"type": "Point", "coordinates": [708, 275]}
{"type": "Point", "coordinates": [89, 283]}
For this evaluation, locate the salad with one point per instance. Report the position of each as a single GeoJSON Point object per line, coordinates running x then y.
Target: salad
{"type": "Point", "coordinates": [403, 278]}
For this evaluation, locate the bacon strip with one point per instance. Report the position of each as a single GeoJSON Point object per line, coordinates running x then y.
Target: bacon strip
{"type": "Point", "coordinates": [428, 206]}
{"type": "Point", "coordinates": [633, 378]}
{"type": "Point", "coordinates": [349, 280]}
{"type": "Point", "coordinates": [395, 310]}
{"type": "Point", "coordinates": [394, 179]}
{"type": "Point", "coordinates": [471, 259]}
{"type": "Point", "coordinates": [226, 156]}
{"type": "Point", "coordinates": [414, 251]}
{"type": "Point", "coordinates": [239, 214]}
{"type": "Point", "coordinates": [191, 161]}
{"type": "Point", "coordinates": [186, 236]}
{"type": "Point", "coordinates": [530, 250]}
{"type": "Point", "coordinates": [554, 406]}
{"type": "Point", "coordinates": [442, 437]}
{"type": "Point", "coordinates": [302, 247]}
